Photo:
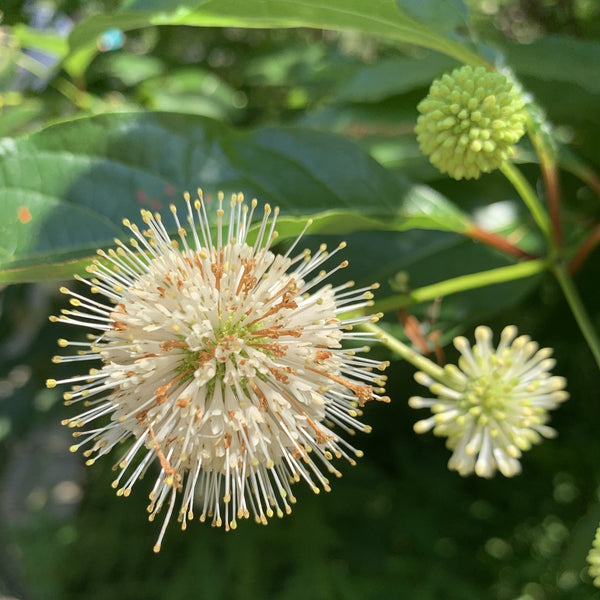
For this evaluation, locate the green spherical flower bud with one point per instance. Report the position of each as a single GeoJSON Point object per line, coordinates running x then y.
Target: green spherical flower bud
{"type": "Point", "coordinates": [470, 121]}
{"type": "Point", "coordinates": [593, 559]}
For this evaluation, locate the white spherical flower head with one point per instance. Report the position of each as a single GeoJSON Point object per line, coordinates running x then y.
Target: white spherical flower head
{"type": "Point", "coordinates": [223, 362]}
{"type": "Point", "coordinates": [495, 404]}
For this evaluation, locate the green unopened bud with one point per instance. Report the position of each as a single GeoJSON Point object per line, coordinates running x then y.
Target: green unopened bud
{"type": "Point", "coordinates": [470, 121]}
{"type": "Point", "coordinates": [593, 559]}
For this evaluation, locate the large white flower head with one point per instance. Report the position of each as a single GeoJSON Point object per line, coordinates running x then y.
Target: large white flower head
{"type": "Point", "coordinates": [222, 361]}
{"type": "Point", "coordinates": [495, 404]}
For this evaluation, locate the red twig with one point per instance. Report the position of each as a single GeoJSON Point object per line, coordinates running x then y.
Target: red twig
{"type": "Point", "coordinates": [551, 183]}
{"type": "Point", "coordinates": [497, 241]}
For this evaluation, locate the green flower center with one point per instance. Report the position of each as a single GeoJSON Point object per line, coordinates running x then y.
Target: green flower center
{"type": "Point", "coordinates": [488, 396]}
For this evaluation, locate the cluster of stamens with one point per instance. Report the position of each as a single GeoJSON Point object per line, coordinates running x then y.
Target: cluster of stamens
{"type": "Point", "coordinates": [222, 362]}
{"type": "Point", "coordinates": [495, 404]}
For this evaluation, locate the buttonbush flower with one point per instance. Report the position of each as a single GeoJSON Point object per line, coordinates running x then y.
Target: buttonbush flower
{"type": "Point", "coordinates": [593, 559]}
{"type": "Point", "coordinates": [221, 361]}
{"type": "Point", "coordinates": [494, 404]}
{"type": "Point", "coordinates": [470, 121]}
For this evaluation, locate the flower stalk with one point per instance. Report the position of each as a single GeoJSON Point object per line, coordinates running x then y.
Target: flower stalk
{"type": "Point", "coordinates": [462, 283]}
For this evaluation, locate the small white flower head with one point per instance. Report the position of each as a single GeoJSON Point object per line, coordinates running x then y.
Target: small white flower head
{"type": "Point", "coordinates": [220, 361]}
{"type": "Point", "coordinates": [593, 559]}
{"type": "Point", "coordinates": [495, 404]}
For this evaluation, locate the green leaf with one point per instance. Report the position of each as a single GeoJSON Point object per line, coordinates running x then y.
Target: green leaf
{"type": "Point", "coordinates": [130, 68]}
{"type": "Point", "coordinates": [14, 119]}
{"type": "Point", "coordinates": [377, 17]}
{"type": "Point", "coordinates": [391, 76]}
{"type": "Point", "coordinates": [558, 58]}
{"type": "Point", "coordinates": [441, 15]}
{"type": "Point", "coordinates": [45, 41]}
{"type": "Point", "coordinates": [66, 189]}
{"type": "Point", "coordinates": [427, 258]}
{"type": "Point", "coordinates": [191, 90]}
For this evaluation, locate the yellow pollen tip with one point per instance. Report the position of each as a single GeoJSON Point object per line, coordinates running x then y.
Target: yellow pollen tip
{"type": "Point", "coordinates": [156, 548]}
{"type": "Point", "coordinates": [51, 383]}
{"type": "Point", "coordinates": [173, 208]}
{"type": "Point", "coordinates": [62, 343]}
{"type": "Point", "coordinates": [56, 359]}
{"type": "Point", "coordinates": [53, 319]}
{"type": "Point", "coordinates": [73, 448]}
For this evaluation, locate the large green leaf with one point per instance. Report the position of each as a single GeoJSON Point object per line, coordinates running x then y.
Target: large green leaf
{"type": "Point", "coordinates": [377, 17]}
{"type": "Point", "coordinates": [558, 58]}
{"type": "Point", "coordinates": [66, 189]}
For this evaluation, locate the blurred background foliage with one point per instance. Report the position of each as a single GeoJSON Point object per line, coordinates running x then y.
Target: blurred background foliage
{"type": "Point", "coordinates": [399, 525]}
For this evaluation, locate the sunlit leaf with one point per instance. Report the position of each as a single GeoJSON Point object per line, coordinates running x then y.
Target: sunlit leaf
{"type": "Point", "coordinates": [378, 17]}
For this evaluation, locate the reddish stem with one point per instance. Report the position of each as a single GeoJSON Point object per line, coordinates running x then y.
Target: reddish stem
{"type": "Point", "coordinates": [551, 183]}
{"type": "Point", "coordinates": [497, 241]}
{"type": "Point", "coordinates": [593, 181]}
{"type": "Point", "coordinates": [584, 250]}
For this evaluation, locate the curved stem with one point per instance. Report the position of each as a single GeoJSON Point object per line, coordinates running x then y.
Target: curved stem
{"type": "Point", "coordinates": [579, 312]}
{"type": "Point", "coordinates": [462, 283]}
{"type": "Point", "coordinates": [530, 199]}
{"type": "Point", "coordinates": [414, 358]}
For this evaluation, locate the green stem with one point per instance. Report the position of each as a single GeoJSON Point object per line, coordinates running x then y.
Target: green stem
{"type": "Point", "coordinates": [579, 312]}
{"type": "Point", "coordinates": [414, 358]}
{"type": "Point", "coordinates": [81, 99]}
{"type": "Point", "coordinates": [462, 283]}
{"type": "Point", "coordinates": [530, 199]}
